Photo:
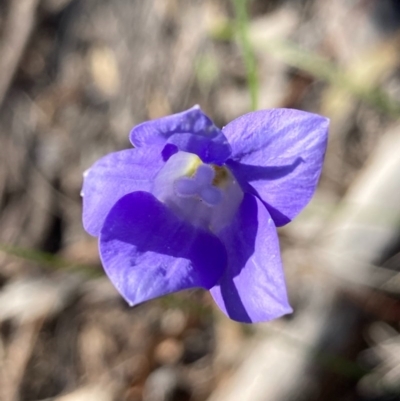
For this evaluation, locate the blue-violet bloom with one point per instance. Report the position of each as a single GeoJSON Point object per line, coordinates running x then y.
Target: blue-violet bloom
{"type": "Point", "coordinates": [195, 206]}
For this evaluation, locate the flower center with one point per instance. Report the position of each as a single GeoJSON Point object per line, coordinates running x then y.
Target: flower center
{"type": "Point", "coordinates": [200, 186]}
{"type": "Point", "coordinates": [204, 194]}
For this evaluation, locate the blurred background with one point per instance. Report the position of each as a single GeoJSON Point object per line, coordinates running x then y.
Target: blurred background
{"type": "Point", "coordinates": [75, 76]}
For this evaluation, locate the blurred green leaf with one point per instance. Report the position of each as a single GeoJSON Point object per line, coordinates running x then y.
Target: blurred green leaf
{"type": "Point", "coordinates": [324, 69]}
{"type": "Point", "coordinates": [224, 31]}
{"type": "Point", "coordinates": [49, 260]}
{"type": "Point", "coordinates": [207, 70]}
{"type": "Point", "coordinates": [242, 30]}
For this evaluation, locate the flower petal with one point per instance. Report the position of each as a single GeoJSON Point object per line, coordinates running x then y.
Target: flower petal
{"type": "Point", "coordinates": [252, 288]}
{"type": "Point", "coordinates": [114, 176]}
{"type": "Point", "coordinates": [277, 155]}
{"type": "Point", "coordinates": [190, 131]}
{"type": "Point", "coordinates": [147, 251]}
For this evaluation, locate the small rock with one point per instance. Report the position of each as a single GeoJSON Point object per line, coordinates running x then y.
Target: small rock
{"type": "Point", "coordinates": [168, 352]}
{"type": "Point", "coordinates": [173, 322]}
{"type": "Point", "coordinates": [90, 393]}
{"type": "Point", "coordinates": [165, 384]}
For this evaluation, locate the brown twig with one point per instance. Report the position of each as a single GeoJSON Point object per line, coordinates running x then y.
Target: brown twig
{"type": "Point", "coordinates": [17, 30]}
{"type": "Point", "coordinates": [18, 355]}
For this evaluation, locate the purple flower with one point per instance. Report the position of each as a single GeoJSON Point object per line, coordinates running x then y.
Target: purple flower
{"type": "Point", "coordinates": [195, 206]}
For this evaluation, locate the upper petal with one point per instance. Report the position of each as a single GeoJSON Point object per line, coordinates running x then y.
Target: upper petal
{"type": "Point", "coordinates": [190, 131]}
{"type": "Point", "coordinates": [147, 251]}
{"type": "Point", "coordinates": [252, 288]}
{"type": "Point", "coordinates": [278, 155]}
{"type": "Point", "coordinates": [114, 176]}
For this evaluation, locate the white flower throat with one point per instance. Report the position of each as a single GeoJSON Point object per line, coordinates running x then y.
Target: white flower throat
{"type": "Point", "coordinates": [206, 195]}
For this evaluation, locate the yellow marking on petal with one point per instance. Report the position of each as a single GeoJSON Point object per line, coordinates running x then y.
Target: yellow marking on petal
{"type": "Point", "coordinates": [193, 166]}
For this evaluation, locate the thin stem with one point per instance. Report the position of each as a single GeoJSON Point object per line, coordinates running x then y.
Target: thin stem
{"type": "Point", "coordinates": [242, 28]}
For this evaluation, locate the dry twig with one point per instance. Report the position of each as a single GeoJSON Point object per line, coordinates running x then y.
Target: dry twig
{"type": "Point", "coordinates": [17, 30]}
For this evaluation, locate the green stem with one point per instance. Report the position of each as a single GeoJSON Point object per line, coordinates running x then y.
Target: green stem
{"type": "Point", "coordinates": [242, 28]}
